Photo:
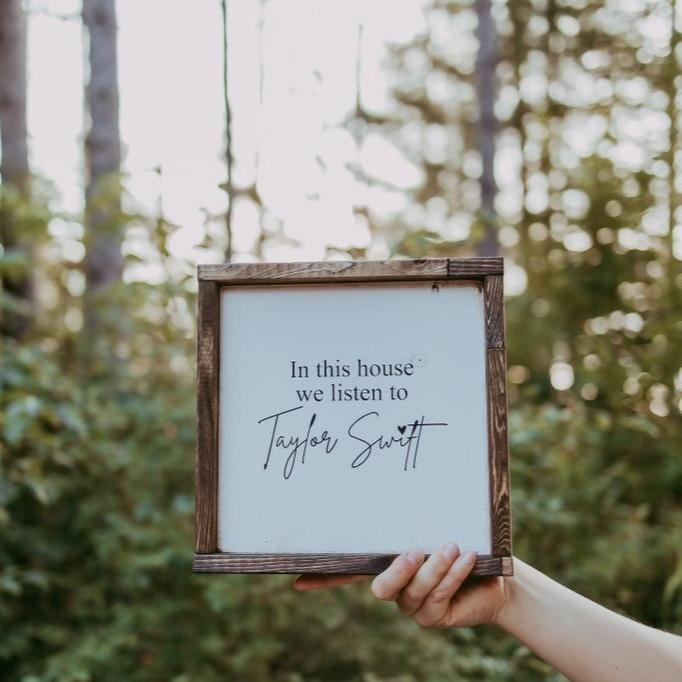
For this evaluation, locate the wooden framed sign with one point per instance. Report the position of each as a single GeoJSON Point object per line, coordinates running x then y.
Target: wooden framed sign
{"type": "Point", "coordinates": [350, 411]}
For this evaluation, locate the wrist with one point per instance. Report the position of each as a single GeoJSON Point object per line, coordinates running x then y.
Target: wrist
{"type": "Point", "coordinates": [511, 592]}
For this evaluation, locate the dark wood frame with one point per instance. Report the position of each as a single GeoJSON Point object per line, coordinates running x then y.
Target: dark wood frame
{"type": "Point", "coordinates": [485, 272]}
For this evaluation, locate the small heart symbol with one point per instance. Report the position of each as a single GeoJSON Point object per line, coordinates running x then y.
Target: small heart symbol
{"type": "Point", "coordinates": [402, 428]}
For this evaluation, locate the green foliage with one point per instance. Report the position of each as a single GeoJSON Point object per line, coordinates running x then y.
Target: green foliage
{"type": "Point", "coordinates": [96, 512]}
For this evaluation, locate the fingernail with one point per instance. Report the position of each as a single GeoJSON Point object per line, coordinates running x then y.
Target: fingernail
{"type": "Point", "coordinates": [414, 556]}
{"type": "Point", "coordinates": [468, 558]}
{"type": "Point", "coordinates": [450, 551]}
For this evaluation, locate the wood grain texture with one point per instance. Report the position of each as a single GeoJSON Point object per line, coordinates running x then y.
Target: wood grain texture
{"type": "Point", "coordinates": [500, 508]}
{"type": "Point", "coordinates": [206, 500]}
{"type": "Point", "coordinates": [493, 293]}
{"type": "Point", "coordinates": [327, 271]}
{"type": "Point", "coordinates": [362, 564]}
{"type": "Point", "coordinates": [464, 268]}
{"type": "Point", "coordinates": [352, 271]}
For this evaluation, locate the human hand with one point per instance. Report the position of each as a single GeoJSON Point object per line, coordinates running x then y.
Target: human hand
{"type": "Point", "coordinates": [431, 591]}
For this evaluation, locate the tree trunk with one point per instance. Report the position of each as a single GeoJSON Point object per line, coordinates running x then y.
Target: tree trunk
{"type": "Point", "coordinates": [229, 159]}
{"type": "Point", "coordinates": [486, 63]}
{"type": "Point", "coordinates": [103, 261]}
{"type": "Point", "coordinates": [671, 74]}
{"type": "Point", "coordinates": [14, 168]}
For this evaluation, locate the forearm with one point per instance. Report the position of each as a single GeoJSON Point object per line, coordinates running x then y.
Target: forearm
{"type": "Point", "coordinates": [583, 640]}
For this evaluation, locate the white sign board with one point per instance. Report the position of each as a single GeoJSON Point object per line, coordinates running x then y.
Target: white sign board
{"type": "Point", "coordinates": [351, 411]}
{"type": "Point", "coordinates": [343, 426]}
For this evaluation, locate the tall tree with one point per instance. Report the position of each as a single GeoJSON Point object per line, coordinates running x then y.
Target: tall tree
{"type": "Point", "coordinates": [229, 159]}
{"type": "Point", "coordinates": [486, 64]}
{"type": "Point", "coordinates": [14, 168]}
{"type": "Point", "coordinates": [103, 261]}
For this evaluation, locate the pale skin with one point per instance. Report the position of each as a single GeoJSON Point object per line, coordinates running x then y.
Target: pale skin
{"type": "Point", "coordinates": [581, 639]}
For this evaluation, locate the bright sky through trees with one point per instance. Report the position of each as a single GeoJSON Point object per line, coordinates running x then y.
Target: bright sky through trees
{"type": "Point", "coordinates": [172, 112]}
{"type": "Point", "coordinates": [290, 121]}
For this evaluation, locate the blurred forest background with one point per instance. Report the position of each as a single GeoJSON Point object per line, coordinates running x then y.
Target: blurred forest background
{"type": "Point", "coordinates": [547, 131]}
